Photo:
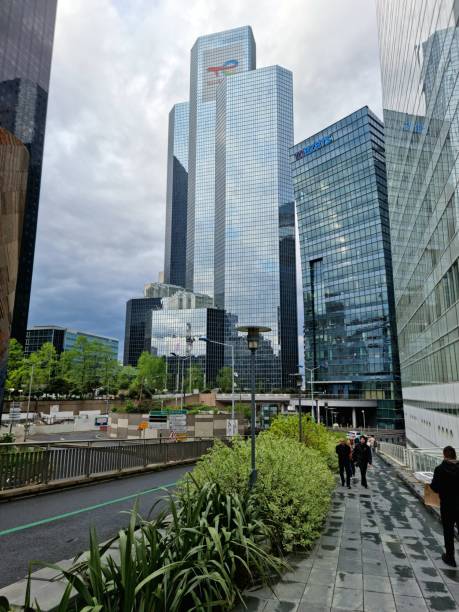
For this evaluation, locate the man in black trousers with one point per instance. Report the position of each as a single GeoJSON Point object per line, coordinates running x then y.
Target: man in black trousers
{"type": "Point", "coordinates": [363, 458]}
{"type": "Point", "coordinates": [445, 482]}
{"type": "Point", "coordinates": [343, 450]}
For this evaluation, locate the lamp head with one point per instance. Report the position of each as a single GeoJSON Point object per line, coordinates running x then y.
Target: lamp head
{"type": "Point", "coordinates": [253, 334]}
{"type": "Point", "coordinates": [203, 339]}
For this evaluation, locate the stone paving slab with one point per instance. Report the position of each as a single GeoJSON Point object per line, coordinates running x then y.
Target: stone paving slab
{"type": "Point", "coordinates": [380, 551]}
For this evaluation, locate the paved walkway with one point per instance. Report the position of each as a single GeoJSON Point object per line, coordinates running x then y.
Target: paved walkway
{"type": "Point", "coordinates": [380, 552]}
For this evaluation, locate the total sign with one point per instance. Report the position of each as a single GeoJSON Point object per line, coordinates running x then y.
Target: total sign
{"type": "Point", "coordinates": [318, 144]}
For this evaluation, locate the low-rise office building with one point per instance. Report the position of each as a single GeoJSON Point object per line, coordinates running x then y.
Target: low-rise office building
{"type": "Point", "coordinates": [64, 339]}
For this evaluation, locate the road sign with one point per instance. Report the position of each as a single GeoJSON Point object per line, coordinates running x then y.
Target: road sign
{"type": "Point", "coordinates": [231, 427]}
{"type": "Point", "coordinates": [177, 423]}
{"type": "Point", "coordinates": [142, 425]}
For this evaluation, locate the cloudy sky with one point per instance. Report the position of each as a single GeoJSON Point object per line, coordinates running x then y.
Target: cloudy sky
{"type": "Point", "coordinates": [118, 67]}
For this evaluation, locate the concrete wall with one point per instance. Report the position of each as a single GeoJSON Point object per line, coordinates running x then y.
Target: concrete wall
{"type": "Point", "coordinates": [125, 425]}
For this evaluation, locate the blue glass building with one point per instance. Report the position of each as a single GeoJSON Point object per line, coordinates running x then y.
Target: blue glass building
{"type": "Point", "coordinates": [419, 48]}
{"type": "Point", "coordinates": [241, 220]}
{"type": "Point", "coordinates": [254, 220]}
{"type": "Point", "coordinates": [177, 195]}
{"type": "Point", "coordinates": [213, 59]}
{"type": "Point", "coordinates": [339, 179]}
{"type": "Point", "coordinates": [64, 338]}
{"type": "Point", "coordinates": [26, 34]}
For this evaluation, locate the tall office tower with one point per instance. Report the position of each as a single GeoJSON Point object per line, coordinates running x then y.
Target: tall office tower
{"type": "Point", "coordinates": [213, 59]}
{"type": "Point", "coordinates": [177, 194]}
{"type": "Point", "coordinates": [240, 246]}
{"type": "Point", "coordinates": [26, 33]}
{"type": "Point", "coordinates": [419, 49]}
{"type": "Point", "coordinates": [14, 163]}
{"type": "Point", "coordinates": [254, 221]}
{"type": "Point", "coordinates": [339, 178]}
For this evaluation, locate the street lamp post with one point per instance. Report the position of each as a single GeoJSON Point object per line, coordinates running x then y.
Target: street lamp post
{"type": "Point", "coordinates": [26, 427]}
{"type": "Point", "coordinates": [363, 414]}
{"type": "Point", "coordinates": [231, 346]}
{"type": "Point", "coordinates": [311, 372]}
{"type": "Point", "coordinates": [253, 340]}
{"type": "Point", "coordinates": [299, 381]}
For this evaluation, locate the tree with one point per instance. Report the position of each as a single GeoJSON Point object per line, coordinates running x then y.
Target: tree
{"type": "Point", "coordinates": [88, 365]}
{"type": "Point", "coordinates": [151, 372]}
{"type": "Point", "coordinates": [196, 376]}
{"type": "Point", "coordinates": [126, 376]}
{"type": "Point", "coordinates": [225, 379]}
{"type": "Point", "coordinates": [16, 365]}
{"type": "Point", "coordinates": [44, 364]}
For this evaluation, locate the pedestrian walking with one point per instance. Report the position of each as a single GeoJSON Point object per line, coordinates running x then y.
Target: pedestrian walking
{"type": "Point", "coordinates": [343, 450]}
{"type": "Point", "coordinates": [362, 458]}
{"type": "Point", "coordinates": [350, 443]}
{"type": "Point", "coordinates": [445, 482]}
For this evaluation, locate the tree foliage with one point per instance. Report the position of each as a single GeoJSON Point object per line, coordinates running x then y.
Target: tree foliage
{"type": "Point", "coordinates": [225, 379]}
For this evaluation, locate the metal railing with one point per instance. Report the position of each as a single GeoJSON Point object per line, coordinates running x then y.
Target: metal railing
{"type": "Point", "coordinates": [29, 464]}
{"type": "Point", "coordinates": [415, 459]}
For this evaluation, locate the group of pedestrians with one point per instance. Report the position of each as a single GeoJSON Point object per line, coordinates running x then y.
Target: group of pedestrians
{"type": "Point", "coordinates": [352, 453]}
{"type": "Point", "coordinates": [445, 482]}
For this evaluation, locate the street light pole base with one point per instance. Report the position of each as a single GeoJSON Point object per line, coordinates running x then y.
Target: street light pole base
{"type": "Point", "coordinates": [252, 479]}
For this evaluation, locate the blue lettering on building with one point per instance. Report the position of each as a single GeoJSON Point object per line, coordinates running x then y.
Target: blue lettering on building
{"type": "Point", "coordinates": [318, 144]}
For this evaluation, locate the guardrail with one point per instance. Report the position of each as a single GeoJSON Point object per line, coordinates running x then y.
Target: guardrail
{"type": "Point", "coordinates": [29, 464]}
{"type": "Point", "coordinates": [415, 459]}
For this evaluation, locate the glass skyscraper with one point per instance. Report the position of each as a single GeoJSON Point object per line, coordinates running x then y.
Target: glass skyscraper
{"type": "Point", "coordinates": [26, 34]}
{"type": "Point", "coordinates": [254, 220]}
{"type": "Point", "coordinates": [213, 59]}
{"type": "Point", "coordinates": [241, 222]}
{"type": "Point", "coordinates": [419, 49]}
{"type": "Point", "coordinates": [339, 179]}
{"type": "Point", "coordinates": [178, 332]}
{"type": "Point", "coordinates": [177, 194]}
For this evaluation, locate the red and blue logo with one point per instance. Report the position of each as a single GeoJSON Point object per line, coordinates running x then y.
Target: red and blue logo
{"type": "Point", "coordinates": [227, 68]}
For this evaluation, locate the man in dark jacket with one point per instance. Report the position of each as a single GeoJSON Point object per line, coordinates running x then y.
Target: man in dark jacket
{"type": "Point", "coordinates": [362, 457]}
{"type": "Point", "coordinates": [445, 482]}
{"type": "Point", "coordinates": [343, 451]}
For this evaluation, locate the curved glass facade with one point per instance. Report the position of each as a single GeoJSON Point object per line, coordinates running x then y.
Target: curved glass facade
{"type": "Point", "coordinates": [419, 48]}
{"type": "Point", "coordinates": [349, 322]}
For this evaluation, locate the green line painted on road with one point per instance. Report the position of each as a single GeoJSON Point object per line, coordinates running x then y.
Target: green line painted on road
{"type": "Point", "coordinates": [58, 517]}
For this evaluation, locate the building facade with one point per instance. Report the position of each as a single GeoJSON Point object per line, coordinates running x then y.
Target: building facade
{"type": "Point", "coordinates": [136, 338]}
{"type": "Point", "coordinates": [339, 179]}
{"type": "Point", "coordinates": [213, 59]}
{"type": "Point", "coordinates": [64, 339]}
{"type": "Point", "coordinates": [14, 163]}
{"type": "Point", "coordinates": [240, 246]}
{"type": "Point", "coordinates": [27, 32]}
{"type": "Point", "coordinates": [176, 333]}
{"type": "Point", "coordinates": [419, 50]}
{"type": "Point", "coordinates": [177, 196]}
{"type": "Point", "coordinates": [254, 276]}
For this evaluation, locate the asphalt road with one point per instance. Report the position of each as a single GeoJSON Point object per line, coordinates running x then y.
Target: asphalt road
{"type": "Point", "coordinates": [63, 519]}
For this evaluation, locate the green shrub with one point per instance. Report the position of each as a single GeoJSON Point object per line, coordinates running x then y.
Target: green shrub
{"type": "Point", "coordinates": [293, 488]}
{"type": "Point", "coordinates": [315, 435]}
{"type": "Point", "coordinates": [214, 546]}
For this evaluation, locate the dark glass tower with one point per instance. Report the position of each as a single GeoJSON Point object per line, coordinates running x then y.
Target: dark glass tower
{"type": "Point", "coordinates": [176, 204]}
{"type": "Point", "coordinates": [137, 333]}
{"type": "Point", "coordinates": [350, 338]}
{"type": "Point", "coordinates": [26, 35]}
